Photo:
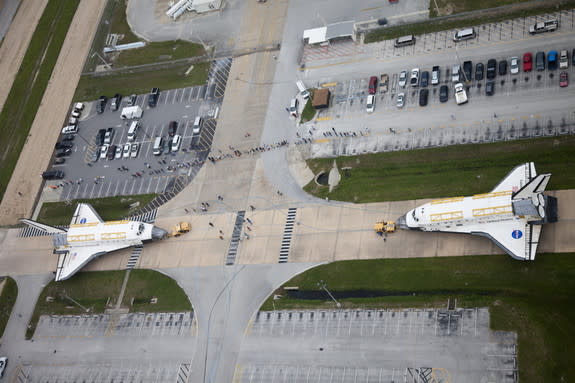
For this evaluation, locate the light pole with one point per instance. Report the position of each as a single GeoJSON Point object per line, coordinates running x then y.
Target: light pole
{"type": "Point", "coordinates": [322, 285]}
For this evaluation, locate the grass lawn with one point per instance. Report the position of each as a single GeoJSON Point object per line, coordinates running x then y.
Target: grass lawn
{"type": "Point", "coordinates": [444, 172]}
{"type": "Point", "coordinates": [158, 52]}
{"type": "Point", "coordinates": [109, 208]}
{"type": "Point", "coordinates": [7, 300]}
{"type": "Point", "coordinates": [119, 23]}
{"type": "Point", "coordinates": [308, 111]}
{"type": "Point", "coordinates": [91, 87]}
{"type": "Point", "coordinates": [30, 83]}
{"type": "Point", "coordinates": [146, 284]}
{"type": "Point", "coordinates": [435, 25]}
{"type": "Point", "coordinates": [535, 299]}
{"type": "Point", "coordinates": [448, 7]}
{"type": "Point", "coordinates": [95, 290]}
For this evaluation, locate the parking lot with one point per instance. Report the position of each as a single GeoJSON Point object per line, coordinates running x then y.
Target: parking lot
{"type": "Point", "coordinates": [524, 105]}
{"type": "Point", "coordinates": [89, 175]}
{"type": "Point", "coordinates": [376, 346]}
{"type": "Point", "coordinates": [133, 325]}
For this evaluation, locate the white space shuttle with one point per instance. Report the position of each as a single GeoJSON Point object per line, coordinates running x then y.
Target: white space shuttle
{"type": "Point", "coordinates": [88, 237]}
{"type": "Point", "coordinates": [510, 215]}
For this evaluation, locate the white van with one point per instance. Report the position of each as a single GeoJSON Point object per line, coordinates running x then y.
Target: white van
{"type": "Point", "coordinates": [133, 131]}
{"type": "Point", "coordinates": [158, 145]}
{"type": "Point", "coordinates": [404, 41]}
{"type": "Point", "coordinates": [302, 89]}
{"type": "Point", "coordinates": [464, 34]}
{"type": "Point", "coordinates": [197, 125]}
{"type": "Point", "coordinates": [176, 142]}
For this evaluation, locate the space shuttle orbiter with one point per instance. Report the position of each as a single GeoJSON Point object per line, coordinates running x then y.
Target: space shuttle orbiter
{"type": "Point", "coordinates": [510, 215]}
{"type": "Point", "coordinates": [88, 237]}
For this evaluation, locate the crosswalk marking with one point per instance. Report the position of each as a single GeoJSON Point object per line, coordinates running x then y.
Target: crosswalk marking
{"type": "Point", "coordinates": [135, 256]}
{"type": "Point", "coordinates": [288, 231]}
{"type": "Point", "coordinates": [236, 234]}
{"type": "Point", "coordinates": [149, 216]}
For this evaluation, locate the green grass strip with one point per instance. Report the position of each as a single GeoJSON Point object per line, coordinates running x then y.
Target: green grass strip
{"type": "Point", "coordinates": [7, 301]}
{"type": "Point", "coordinates": [109, 208]}
{"type": "Point", "coordinates": [535, 299]}
{"type": "Point", "coordinates": [30, 83]}
{"type": "Point", "coordinates": [459, 170]}
{"type": "Point", "coordinates": [172, 77]}
{"type": "Point", "coordinates": [94, 290]}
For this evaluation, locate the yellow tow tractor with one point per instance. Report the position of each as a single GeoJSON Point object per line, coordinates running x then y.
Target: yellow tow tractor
{"type": "Point", "coordinates": [383, 227]}
{"type": "Point", "coordinates": [180, 228]}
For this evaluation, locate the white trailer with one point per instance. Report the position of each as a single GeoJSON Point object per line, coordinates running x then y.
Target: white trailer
{"type": "Point", "coordinates": [131, 112]}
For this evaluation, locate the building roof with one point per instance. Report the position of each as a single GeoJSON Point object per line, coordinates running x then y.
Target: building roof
{"type": "Point", "coordinates": [329, 32]}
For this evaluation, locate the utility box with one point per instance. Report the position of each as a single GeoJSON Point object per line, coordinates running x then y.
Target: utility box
{"type": "Point", "coordinates": [321, 98]}
{"type": "Point", "coordinates": [131, 112]}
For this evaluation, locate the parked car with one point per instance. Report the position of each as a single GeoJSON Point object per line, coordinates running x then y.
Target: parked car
{"type": "Point", "coordinates": [479, 71]}
{"type": "Point", "coordinates": [153, 97]}
{"type": "Point", "coordinates": [172, 128]}
{"type": "Point", "coordinates": [135, 149]}
{"type": "Point", "coordinates": [126, 150]}
{"type": "Point", "coordinates": [167, 145]}
{"type": "Point", "coordinates": [414, 77]}
{"type": "Point", "coordinates": [109, 136]}
{"type": "Point", "coordinates": [423, 96]}
{"type": "Point", "coordinates": [118, 153]}
{"type": "Point", "coordinates": [64, 145]}
{"type": "Point", "coordinates": [552, 60]}
{"type": "Point", "coordinates": [383, 83]}
{"type": "Point", "coordinates": [116, 102]}
{"type": "Point", "coordinates": [176, 142]}
{"type": "Point", "coordinates": [435, 75]}
{"type": "Point", "coordinates": [544, 26]}
{"type": "Point", "coordinates": [455, 71]}
{"type": "Point", "coordinates": [79, 106]}
{"type": "Point", "coordinates": [59, 161]}
{"type": "Point", "coordinates": [402, 81]}
{"type": "Point", "coordinates": [70, 129]}
{"type": "Point", "coordinates": [101, 104]}
{"type": "Point", "coordinates": [540, 61]}
{"type": "Point", "coordinates": [573, 57]}
{"type": "Point", "coordinates": [424, 78]}
{"type": "Point", "coordinates": [48, 176]}
{"type": "Point", "coordinates": [502, 67]}
{"type": "Point", "coordinates": [75, 114]}
{"type": "Point", "coordinates": [490, 88]}
{"type": "Point", "coordinates": [514, 65]}
{"type": "Point", "coordinates": [94, 155]}
{"type": "Point", "coordinates": [68, 137]}
{"type": "Point", "coordinates": [372, 85]}
{"type": "Point", "coordinates": [527, 62]}
{"type": "Point", "coordinates": [3, 363]}
{"type": "Point", "coordinates": [563, 79]}
{"type": "Point", "coordinates": [491, 68]}
{"type": "Point", "coordinates": [400, 100]}
{"type": "Point", "coordinates": [370, 104]}
{"type": "Point", "coordinates": [443, 93]}
{"type": "Point", "coordinates": [104, 151]}
{"type": "Point", "coordinates": [132, 100]}
{"type": "Point", "coordinates": [63, 152]}
{"type": "Point", "coordinates": [563, 59]}
{"type": "Point", "coordinates": [467, 70]}
{"type": "Point", "coordinates": [111, 152]}
{"type": "Point", "coordinates": [100, 137]}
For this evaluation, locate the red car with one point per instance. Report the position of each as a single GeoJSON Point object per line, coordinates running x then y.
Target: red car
{"type": "Point", "coordinates": [372, 84]}
{"type": "Point", "coordinates": [527, 62]}
{"type": "Point", "coordinates": [563, 79]}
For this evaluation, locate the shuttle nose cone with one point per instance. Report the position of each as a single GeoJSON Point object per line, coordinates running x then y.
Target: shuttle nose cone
{"type": "Point", "coordinates": [158, 233]}
{"type": "Point", "coordinates": [401, 222]}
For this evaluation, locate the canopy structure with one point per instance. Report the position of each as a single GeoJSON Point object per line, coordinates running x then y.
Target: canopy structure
{"type": "Point", "coordinates": [324, 35]}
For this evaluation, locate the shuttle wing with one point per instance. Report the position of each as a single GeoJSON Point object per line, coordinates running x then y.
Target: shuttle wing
{"type": "Point", "coordinates": [517, 238]}
{"type": "Point", "coordinates": [85, 214]}
{"type": "Point", "coordinates": [517, 178]}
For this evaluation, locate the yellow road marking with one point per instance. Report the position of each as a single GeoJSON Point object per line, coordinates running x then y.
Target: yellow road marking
{"type": "Point", "coordinates": [328, 84]}
{"type": "Point", "coordinates": [320, 140]}
{"type": "Point", "coordinates": [326, 118]}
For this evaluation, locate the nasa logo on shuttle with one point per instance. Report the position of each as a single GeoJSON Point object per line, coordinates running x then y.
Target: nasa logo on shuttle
{"type": "Point", "coordinates": [83, 220]}
{"type": "Point", "coordinates": [516, 234]}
